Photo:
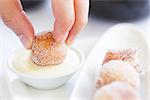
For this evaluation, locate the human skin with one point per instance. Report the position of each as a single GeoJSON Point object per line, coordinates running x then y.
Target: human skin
{"type": "Point", "coordinates": [71, 16]}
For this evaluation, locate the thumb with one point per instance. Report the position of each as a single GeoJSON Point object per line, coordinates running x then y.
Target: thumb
{"type": "Point", "coordinates": [15, 18]}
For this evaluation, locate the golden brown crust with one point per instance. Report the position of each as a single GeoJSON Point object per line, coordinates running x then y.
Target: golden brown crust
{"type": "Point", "coordinates": [46, 51]}
{"type": "Point", "coordinates": [124, 55]}
{"type": "Point", "coordinates": [127, 55]}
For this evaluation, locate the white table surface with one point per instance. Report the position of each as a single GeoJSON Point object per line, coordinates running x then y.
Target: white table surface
{"type": "Point", "coordinates": [42, 20]}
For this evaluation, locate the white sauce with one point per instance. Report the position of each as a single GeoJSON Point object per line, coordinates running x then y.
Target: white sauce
{"type": "Point", "coordinates": [22, 63]}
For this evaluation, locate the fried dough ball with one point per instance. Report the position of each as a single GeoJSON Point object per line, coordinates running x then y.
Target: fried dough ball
{"type": "Point", "coordinates": [128, 55]}
{"type": "Point", "coordinates": [116, 91]}
{"type": "Point", "coordinates": [118, 71]}
{"type": "Point", "coordinates": [46, 51]}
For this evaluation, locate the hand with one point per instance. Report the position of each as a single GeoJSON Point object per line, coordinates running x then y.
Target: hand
{"type": "Point", "coordinates": [15, 18]}
{"type": "Point", "coordinates": [70, 18]}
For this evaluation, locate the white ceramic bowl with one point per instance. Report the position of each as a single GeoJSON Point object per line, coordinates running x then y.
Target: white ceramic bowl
{"type": "Point", "coordinates": [46, 82]}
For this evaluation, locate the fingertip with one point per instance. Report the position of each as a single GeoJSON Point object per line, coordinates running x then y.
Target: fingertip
{"type": "Point", "coordinates": [26, 41]}
{"type": "Point", "coordinates": [57, 38]}
{"type": "Point", "coordinates": [60, 38]}
{"type": "Point", "coordinates": [70, 41]}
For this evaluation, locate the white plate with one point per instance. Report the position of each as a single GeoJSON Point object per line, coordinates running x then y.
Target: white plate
{"type": "Point", "coordinates": [119, 36]}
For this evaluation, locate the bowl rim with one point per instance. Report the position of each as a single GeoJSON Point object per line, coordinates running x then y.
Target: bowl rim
{"type": "Point", "coordinates": [10, 66]}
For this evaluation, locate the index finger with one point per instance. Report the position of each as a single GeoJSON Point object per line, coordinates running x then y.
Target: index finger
{"type": "Point", "coordinates": [63, 11]}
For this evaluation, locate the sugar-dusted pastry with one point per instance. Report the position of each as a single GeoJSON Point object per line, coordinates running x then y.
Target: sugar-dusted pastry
{"type": "Point", "coordinates": [46, 51]}
{"type": "Point", "coordinates": [128, 55]}
{"type": "Point", "coordinates": [116, 91]}
{"type": "Point", "coordinates": [117, 70]}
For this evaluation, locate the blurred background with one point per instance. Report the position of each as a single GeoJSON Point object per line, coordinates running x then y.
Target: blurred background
{"type": "Point", "coordinates": [102, 15]}
{"type": "Point", "coordinates": [119, 10]}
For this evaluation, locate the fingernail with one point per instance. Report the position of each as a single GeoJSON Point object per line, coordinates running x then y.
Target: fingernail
{"type": "Point", "coordinates": [27, 42]}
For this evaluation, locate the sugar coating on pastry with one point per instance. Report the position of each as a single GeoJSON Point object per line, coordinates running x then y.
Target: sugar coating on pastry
{"type": "Point", "coordinates": [116, 91]}
{"type": "Point", "coordinates": [46, 51]}
{"type": "Point", "coordinates": [118, 71]}
{"type": "Point", "coordinates": [128, 55]}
